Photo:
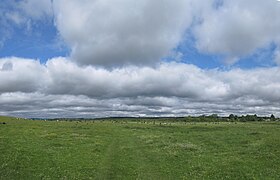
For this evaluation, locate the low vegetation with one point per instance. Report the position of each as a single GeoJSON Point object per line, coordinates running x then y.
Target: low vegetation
{"type": "Point", "coordinates": [205, 147]}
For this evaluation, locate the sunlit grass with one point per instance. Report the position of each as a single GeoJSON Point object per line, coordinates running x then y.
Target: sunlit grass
{"type": "Point", "coordinates": [131, 150]}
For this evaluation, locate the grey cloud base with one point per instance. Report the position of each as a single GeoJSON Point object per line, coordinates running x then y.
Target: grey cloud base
{"type": "Point", "coordinates": [31, 89]}
{"type": "Point", "coordinates": [68, 106]}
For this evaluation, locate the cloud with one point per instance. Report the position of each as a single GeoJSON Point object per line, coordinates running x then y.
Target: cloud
{"type": "Point", "coordinates": [51, 106]}
{"type": "Point", "coordinates": [113, 33]}
{"type": "Point", "coordinates": [34, 89]}
{"type": "Point", "coordinates": [277, 56]}
{"type": "Point", "coordinates": [21, 75]}
{"type": "Point", "coordinates": [7, 66]}
{"type": "Point", "coordinates": [237, 28]}
{"type": "Point", "coordinates": [115, 67]}
{"type": "Point", "coordinates": [168, 80]}
{"type": "Point", "coordinates": [15, 17]}
{"type": "Point", "coordinates": [118, 33]}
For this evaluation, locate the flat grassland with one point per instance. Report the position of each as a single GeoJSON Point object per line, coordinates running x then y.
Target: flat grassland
{"type": "Point", "coordinates": [136, 150]}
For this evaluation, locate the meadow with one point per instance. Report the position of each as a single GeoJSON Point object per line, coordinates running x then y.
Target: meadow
{"type": "Point", "coordinates": [138, 149]}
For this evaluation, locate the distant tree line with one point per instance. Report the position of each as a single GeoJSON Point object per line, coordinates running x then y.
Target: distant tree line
{"type": "Point", "coordinates": [202, 118]}
{"type": "Point", "coordinates": [232, 118]}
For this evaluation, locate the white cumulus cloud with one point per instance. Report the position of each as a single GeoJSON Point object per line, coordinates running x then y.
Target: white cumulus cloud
{"type": "Point", "coordinates": [238, 28]}
{"type": "Point", "coordinates": [121, 32]}
{"type": "Point", "coordinates": [62, 88]}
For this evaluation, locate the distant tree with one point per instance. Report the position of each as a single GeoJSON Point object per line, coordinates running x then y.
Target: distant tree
{"type": "Point", "coordinates": [251, 117]}
{"type": "Point", "coordinates": [272, 117]}
{"type": "Point", "coordinates": [243, 118]}
{"type": "Point", "coordinates": [256, 118]}
{"type": "Point", "coordinates": [231, 117]}
{"type": "Point", "coordinates": [214, 116]}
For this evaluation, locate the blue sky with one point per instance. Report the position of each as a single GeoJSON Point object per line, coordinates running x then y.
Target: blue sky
{"type": "Point", "coordinates": [42, 42]}
{"type": "Point", "coordinates": [69, 58]}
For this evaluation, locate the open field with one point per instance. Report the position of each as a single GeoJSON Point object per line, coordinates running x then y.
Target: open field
{"type": "Point", "coordinates": [136, 150]}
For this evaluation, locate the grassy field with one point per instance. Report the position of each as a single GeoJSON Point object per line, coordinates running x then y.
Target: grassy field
{"type": "Point", "coordinates": [133, 150]}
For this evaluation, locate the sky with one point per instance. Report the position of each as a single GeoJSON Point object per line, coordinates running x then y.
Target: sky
{"type": "Point", "coordinates": [110, 58]}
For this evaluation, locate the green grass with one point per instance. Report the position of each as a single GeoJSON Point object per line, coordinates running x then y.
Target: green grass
{"type": "Point", "coordinates": [107, 150]}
